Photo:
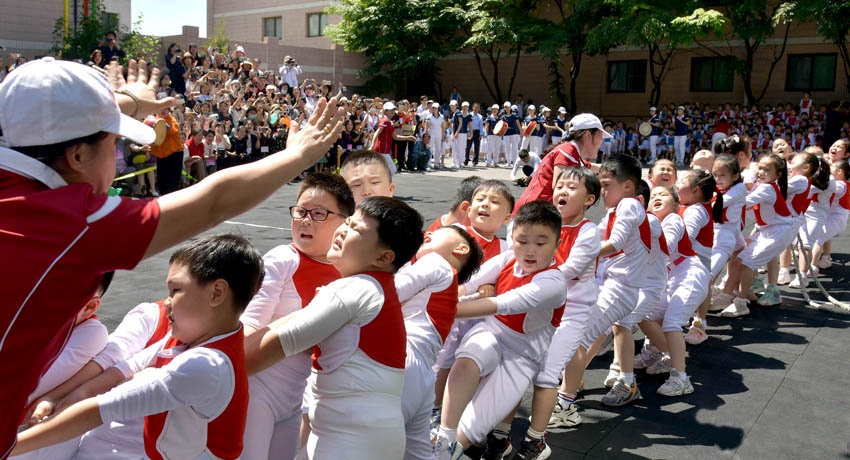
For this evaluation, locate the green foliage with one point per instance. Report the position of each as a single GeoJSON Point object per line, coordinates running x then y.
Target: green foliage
{"type": "Point", "coordinates": [138, 46]}
{"type": "Point", "coordinates": [79, 43]}
{"type": "Point", "coordinates": [831, 19]}
{"type": "Point", "coordinates": [219, 38]}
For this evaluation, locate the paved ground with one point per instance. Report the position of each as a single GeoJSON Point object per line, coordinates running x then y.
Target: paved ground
{"type": "Point", "coordinates": [773, 385]}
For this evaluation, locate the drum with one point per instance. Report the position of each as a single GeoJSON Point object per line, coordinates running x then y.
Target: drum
{"type": "Point", "coordinates": [158, 125]}
{"type": "Point", "coordinates": [500, 129]}
{"type": "Point", "coordinates": [645, 129]}
{"type": "Point", "coordinates": [529, 129]}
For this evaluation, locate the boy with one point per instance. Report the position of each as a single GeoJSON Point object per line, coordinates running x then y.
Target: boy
{"type": "Point", "coordinates": [527, 163]}
{"type": "Point", "coordinates": [357, 327]}
{"type": "Point", "coordinates": [427, 289]}
{"type": "Point", "coordinates": [501, 354]}
{"type": "Point", "coordinates": [191, 387]}
{"type": "Point", "coordinates": [460, 205]}
{"type": "Point", "coordinates": [367, 174]}
{"type": "Point", "coordinates": [491, 208]}
{"type": "Point", "coordinates": [623, 257]}
{"type": "Point", "coordinates": [576, 190]}
{"type": "Point", "coordinates": [293, 272]}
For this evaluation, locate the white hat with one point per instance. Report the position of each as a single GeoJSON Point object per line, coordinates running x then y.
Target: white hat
{"type": "Point", "coordinates": [436, 105]}
{"type": "Point", "coordinates": [272, 87]}
{"type": "Point", "coordinates": [506, 104]}
{"type": "Point", "coordinates": [653, 109]}
{"type": "Point", "coordinates": [464, 104]}
{"type": "Point", "coordinates": [495, 107]}
{"type": "Point", "coordinates": [681, 107]}
{"type": "Point", "coordinates": [531, 107]}
{"type": "Point", "coordinates": [588, 121]}
{"type": "Point", "coordinates": [389, 106]}
{"type": "Point", "coordinates": [453, 102]}
{"type": "Point", "coordinates": [46, 102]}
{"type": "Point", "coordinates": [513, 107]}
{"type": "Point", "coordinates": [545, 109]}
{"type": "Point", "coordinates": [562, 110]}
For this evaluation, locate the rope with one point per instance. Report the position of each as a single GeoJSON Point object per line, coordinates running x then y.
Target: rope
{"type": "Point", "coordinates": [832, 304]}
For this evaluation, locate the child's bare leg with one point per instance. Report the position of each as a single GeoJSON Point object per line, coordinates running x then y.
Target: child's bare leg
{"type": "Point", "coordinates": [773, 271]}
{"type": "Point", "coordinates": [542, 406]}
{"type": "Point", "coordinates": [440, 386]}
{"type": "Point", "coordinates": [733, 281]}
{"type": "Point", "coordinates": [305, 430]}
{"type": "Point", "coordinates": [652, 330]}
{"type": "Point", "coordinates": [676, 342]}
{"type": "Point", "coordinates": [785, 258]}
{"type": "Point", "coordinates": [817, 253]}
{"type": "Point", "coordinates": [746, 283]}
{"type": "Point", "coordinates": [827, 249]}
{"type": "Point", "coordinates": [462, 383]}
{"type": "Point", "coordinates": [574, 372]}
{"type": "Point", "coordinates": [624, 346]}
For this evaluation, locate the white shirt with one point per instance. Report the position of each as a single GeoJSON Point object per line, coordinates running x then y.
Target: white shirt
{"type": "Point", "coordinates": [628, 266]}
{"type": "Point", "coordinates": [696, 217]}
{"type": "Point", "coordinates": [656, 263]}
{"type": "Point", "coordinates": [674, 229]}
{"type": "Point", "coordinates": [533, 161]}
{"type": "Point", "coordinates": [734, 200]}
{"type": "Point", "coordinates": [131, 336]}
{"type": "Point", "coordinates": [435, 124]}
{"type": "Point", "coordinates": [580, 266]}
{"type": "Point", "coordinates": [765, 196]}
{"type": "Point", "coordinates": [289, 75]}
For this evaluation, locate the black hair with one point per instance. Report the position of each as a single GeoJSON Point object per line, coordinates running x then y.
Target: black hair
{"type": "Point", "coordinates": [587, 177]}
{"type": "Point", "coordinates": [623, 168]}
{"type": "Point", "coordinates": [105, 281]}
{"type": "Point", "coordinates": [500, 188]}
{"type": "Point", "coordinates": [706, 184]}
{"type": "Point", "coordinates": [820, 178]}
{"type": "Point", "coordinates": [781, 172]}
{"type": "Point", "coordinates": [473, 260]}
{"type": "Point", "coordinates": [643, 192]}
{"type": "Point", "coordinates": [227, 257]}
{"type": "Point", "coordinates": [333, 185]}
{"type": "Point", "coordinates": [843, 165]}
{"type": "Point", "coordinates": [399, 226]}
{"type": "Point", "coordinates": [465, 191]}
{"type": "Point", "coordinates": [731, 163]}
{"type": "Point", "coordinates": [731, 145]}
{"type": "Point", "coordinates": [50, 154]}
{"type": "Point", "coordinates": [539, 212]}
{"type": "Point", "coordinates": [579, 133]}
{"type": "Point", "coordinates": [366, 157]}
{"type": "Point", "coordinates": [523, 153]}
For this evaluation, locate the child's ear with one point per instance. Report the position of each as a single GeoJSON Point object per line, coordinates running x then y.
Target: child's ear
{"type": "Point", "coordinates": [385, 258]}
{"type": "Point", "coordinates": [218, 291]}
{"type": "Point", "coordinates": [464, 206]}
{"type": "Point", "coordinates": [460, 250]}
{"type": "Point", "coordinates": [88, 310]}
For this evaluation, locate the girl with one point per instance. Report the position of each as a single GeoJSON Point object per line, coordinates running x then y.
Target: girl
{"type": "Point", "coordinates": [774, 232]}
{"type": "Point", "coordinates": [812, 231]}
{"type": "Point", "coordinates": [836, 221]}
{"type": "Point", "coordinates": [802, 169]}
{"type": "Point", "coordinates": [663, 172]}
{"type": "Point", "coordinates": [741, 149]}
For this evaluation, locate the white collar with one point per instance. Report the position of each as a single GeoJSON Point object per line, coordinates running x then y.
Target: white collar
{"type": "Point", "coordinates": [23, 165]}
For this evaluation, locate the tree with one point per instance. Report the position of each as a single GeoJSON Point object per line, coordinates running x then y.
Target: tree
{"type": "Point", "coordinates": [80, 40]}
{"type": "Point", "coordinates": [138, 46]}
{"type": "Point", "coordinates": [831, 19]}
{"type": "Point", "coordinates": [401, 39]}
{"type": "Point", "coordinates": [219, 38]}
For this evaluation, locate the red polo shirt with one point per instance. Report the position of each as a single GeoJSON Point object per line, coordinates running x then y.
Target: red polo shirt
{"type": "Point", "coordinates": [384, 141]}
{"type": "Point", "coordinates": [542, 184]}
{"type": "Point", "coordinates": [195, 150]}
{"type": "Point", "coordinates": [57, 241]}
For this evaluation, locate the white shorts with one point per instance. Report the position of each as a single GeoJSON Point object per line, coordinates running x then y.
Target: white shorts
{"type": "Point", "coordinates": [647, 303]}
{"type": "Point", "coordinates": [564, 343]}
{"type": "Point", "coordinates": [766, 243]}
{"type": "Point", "coordinates": [447, 354]}
{"type": "Point", "coordinates": [63, 451]}
{"type": "Point", "coordinates": [726, 242]}
{"type": "Point", "coordinates": [812, 232]}
{"type": "Point", "coordinates": [616, 300]}
{"type": "Point", "coordinates": [836, 223]}
{"type": "Point", "coordinates": [687, 287]}
{"type": "Point", "coordinates": [417, 400]}
{"type": "Point", "coordinates": [114, 441]}
{"type": "Point", "coordinates": [505, 375]}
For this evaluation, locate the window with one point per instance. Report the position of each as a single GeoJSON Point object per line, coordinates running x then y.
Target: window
{"type": "Point", "coordinates": [273, 27]}
{"type": "Point", "coordinates": [810, 72]}
{"type": "Point", "coordinates": [627, 76]}
{"type": "Point", "coordinates": [712, 74]}
{"type": "Point", "coordinates": [109, 20]}
{"type": "Point", "coordinates": [316, 23]}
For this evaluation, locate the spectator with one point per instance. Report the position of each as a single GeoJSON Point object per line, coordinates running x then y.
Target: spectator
{"type": "Point", "coordinates": [109, 47]}
{"type": "Point", "coordinates": [524, 167]}
{"type": "Point", "coordinates": [195, 164]}
{"type": "Point", "coordinates": [96, 58]}
{"type": "Point", "coordinates": [421, 154]}
{"type": "Point", "coordinates": [175, 68]}
{"type": "Point", "coordinates": [169, 154]}
{"type": "Point", "coordinates": [289, 72]}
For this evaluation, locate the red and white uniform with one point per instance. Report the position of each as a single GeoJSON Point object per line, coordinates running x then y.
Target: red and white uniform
{"type": "Point", "coordinates": [775, 228]}
{"type": "Point", "coordinates": [440, 222]}
{"type": "Point", "coordinates": [509, 347]}
{"type": "Point", "coordinates": [274, 411]}
{"type": "Point", "coordinates": [688, 278]}
{"type": "Point", "coordinates": [816, 214]}
{"type": "Point", "coordinates": [76, 238]}
{"type": "Point", "coordinates": [836, 220]}
{"type": "Point", "coordinates": [491, 246]}
{"type": "Point", "coordinates": [358, 367]}
{"type": "Point", "coordinates": [700, 226]}
{"type": "Point", "coordinates": [727, 234]}
{"type": "Point", "coordinates": [542, 182]}
{"type": "Point", "coordinates": [427, 290]}
{"type": "Point", "coordinates": [655, 281]}
{"type": "Point", "coordinates": [627, 229]}
{"type": "Point", "coordinates": [578, 248]}
{"type": "Point", "coordinates": [194, 399]}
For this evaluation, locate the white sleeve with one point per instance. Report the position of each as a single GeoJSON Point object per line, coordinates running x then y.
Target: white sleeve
{"type": "Point", "coordinates": [629, 216]}
{"type": "Point", "coordinates": [695, 218]}
{"type": "Point", "coordinates": [516, 168]}
{"type": "Point", "coordinates": [130, 336]}
{"type": "Point", "coordinates": [141, 360]}
{"type": "Point", "coordinates": [431, 272]}
{"type": "Point", "coordinates": [353, 299]}
{"type": "Point", "coordinates": [735, 195]}
{"type": "Point", "coordinates": [280, 264]}
{"type": "Point", "coordinates": [547, 290]}
{"type": "Point", "coordinates": [797, 185]}
{"type": "Point", "coordinates": [584, 252]}
{"type": "Point", "coordinates": [488, 273]}
{"type": "Point", "coordinates": [674, 229]}
{"type": "Point", "coordinates": [201, 378]}
{"type": "Point", "coordinates": [761, 194]}
{"type": "Point", "coordinates": [87, 338]}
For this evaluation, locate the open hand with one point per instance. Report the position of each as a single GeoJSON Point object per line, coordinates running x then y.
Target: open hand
{"type": "Point", "coordinates": [139, 83]}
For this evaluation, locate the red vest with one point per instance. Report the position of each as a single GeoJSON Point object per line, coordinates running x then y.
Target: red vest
{"type": "Point", "coordinates": [568, 239]}
{"type": "Point", "coordinates": [507, 281]}
{"type": "Point", "coordinates": [541, 187]}
{"type": "Point", "coordinates": [311, 275]}
{"type": "Point", "coordinates": [442, 309]}
{"type": "Point", "coordinates": [705, 236]}
{"type": "Point", "coordinates": [801, 201]}
{"type": "Point", "coordinates": [643, 228]}
{"type": "Point", "coordinates": [163, 325]}
{"type": "Point", "coordinates": [490, 248]}
{"type": "Point", "coordinates": [844, 200]}
{"type": "Point", "coordinates": [224, 433]}
{"type": "Point", "coordinates": [780, 206]}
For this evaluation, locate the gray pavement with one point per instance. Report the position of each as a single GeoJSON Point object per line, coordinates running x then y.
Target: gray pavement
{"type": "Point", "coordinates": [773, 385]}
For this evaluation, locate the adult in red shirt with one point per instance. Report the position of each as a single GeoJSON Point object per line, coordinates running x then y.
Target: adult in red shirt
{"type": "Point", "coordinates": [195, 164]}
{"type": "Point", "coordinates": [60, 231]}
{"type": "Point", "coordinates": [385, 134]}
{"type": "Point", "coordinates": [582, 143]}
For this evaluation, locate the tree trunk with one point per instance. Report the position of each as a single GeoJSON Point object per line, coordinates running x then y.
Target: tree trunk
{"type": "Point", "coordinates": [747, 72]}
{"type": "Point", "coordinates": [513, 74]}
{"type": "Point", "coordinates": [845, 60]}
{"type": "Point", "coordinates": [574, 71]}
{"type": "Point", "coordinates": [557, 81]}
{"type": "Point", "coordinates": [481, 74]}
{"type": "Point", "coordinates": [773, 64]}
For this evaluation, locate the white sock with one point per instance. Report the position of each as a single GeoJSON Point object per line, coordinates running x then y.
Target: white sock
{"type": "Point", "coordinates": [628, 377]}
{"type": "Point", "coordinates": [683, 376]}
{"type": "Point", "coordinates": [451, 435]}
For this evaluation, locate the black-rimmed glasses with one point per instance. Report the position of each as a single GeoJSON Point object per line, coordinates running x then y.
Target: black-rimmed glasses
{"type": "Point", "coordinates": [316, 214]}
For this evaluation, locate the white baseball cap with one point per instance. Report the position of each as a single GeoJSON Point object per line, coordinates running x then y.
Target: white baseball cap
{"type": "Point", "coordinates": [653, 109]}
{"type": "Point", "coordinates": [507, 104]}
{"type": "Point", "coordinates": [453, 102]}
{"type": "Point", "coordinates": [436, 105]}
{"type": "Point", "coordinates": [562, 110]}
{"type": "Point", "coordinates": [495, 107]}
{"type": "Point", "coordinates": [588, 121]}
{"type": "Point", "coordinates": [47, 101]}
{"type": "Point", "coordinates": [545, 109]}
{"type": "Point", "coordinates": [464, 104]}
{"type": "Point", "coordinates": [389, 106]}
{"type": "Point", "coordinates": [513, 107]}
{"type": "Point", "coordinates": [531, 107]}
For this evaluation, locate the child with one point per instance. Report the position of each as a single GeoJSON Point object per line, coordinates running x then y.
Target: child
{"type": "Point", "coordinates": [427, 289]}
{"type": "Point", "coordinates": [194, 380]}
{"type": "Point", "coordinates": [663, 172]}
{"type": "Point", "coordinates": [526, 165]}
{"type": "Point", "coordinates": [774, 232]}
{"type": "Point", "coordinates": [367, 174]}
{"type": "Point", "coordinates": [703, 159]}
{"type": "Point", "coordinates": [836, 221]}
{"type": "Point", "coordinates": [357, 325]}
{"type": "Point", "coordinates": [814, 215]}
{"type": "Point", "coordinates": [460, 205]}
{"type": "Point", "coordinates": [491, 207]}
{"type": "Point", "coordinates": [293, 272]}
{"type": "Point", "coordinates": [576, 190]}
{"type": "Point", "coordinates": [799, 197]}
{"type": "Point", "coordinates": [500, 356]}
{"type": "Point", "coordinates": [838, 151]}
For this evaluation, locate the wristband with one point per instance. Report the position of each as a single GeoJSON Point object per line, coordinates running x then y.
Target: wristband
{"type": "Point", "coordinates": [133, 97]}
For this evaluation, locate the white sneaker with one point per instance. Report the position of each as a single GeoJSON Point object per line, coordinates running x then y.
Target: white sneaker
{"type": "Point", "coordinates": [797, 284]}
{"type": "Point", "coordinates": [662, 366]}
{"type": "Point", "coordinates": [720, 300]}
{"type": "Point", "coordinates": [738, 307]}
{"type": "Point", "coordinates": [444, 450]}
{"type": "Point", "coordinates": [676, 385]}
{"type": "Point", "coordinates": [646, 358]}
{"type": "Point", "coordinates": [696, 335]}
{"type": "Point", "coordinates": [784, 276]}
{"type": "Point", "coordinates": [565, 417]}
{"type": "Point", "coordinates": [825, 262]}
{"type": "Point", "coordinates": [613, 374]}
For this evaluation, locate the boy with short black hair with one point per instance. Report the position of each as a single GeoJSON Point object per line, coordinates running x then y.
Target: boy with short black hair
{"type": "Point", "coordinates": [357, 327]}
{"type": "Point", "coordinates": [490, 209]}
{"type": "Point", "coordinates": [367, 174]}
{"type": "Point", "coordinates": [194, 380]}
{"type": "Point", "coordinates": [526, 164]}
{"type": "Point", "coordinates": [500, 355]}
{"type": "Point", "coordinates": [460, 205]}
